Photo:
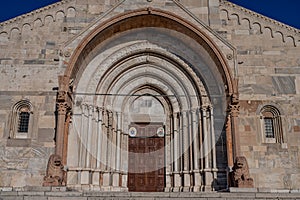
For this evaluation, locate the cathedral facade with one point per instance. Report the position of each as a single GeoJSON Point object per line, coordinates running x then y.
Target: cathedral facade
{"type": "Point", "coordinates": [149, 95]}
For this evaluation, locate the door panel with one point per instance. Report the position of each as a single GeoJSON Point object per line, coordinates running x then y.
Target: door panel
{"type": "Point", "coordinates": [146, 163]}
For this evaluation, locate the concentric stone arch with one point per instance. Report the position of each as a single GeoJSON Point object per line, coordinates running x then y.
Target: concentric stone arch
{"type": "Point", "coordinates": [142, 18]}
{"type": "Point", "coordinates": [106, 75]}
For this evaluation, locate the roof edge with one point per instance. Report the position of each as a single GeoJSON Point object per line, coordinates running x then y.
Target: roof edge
{"type": "Point", "coordinates": [31, 13]}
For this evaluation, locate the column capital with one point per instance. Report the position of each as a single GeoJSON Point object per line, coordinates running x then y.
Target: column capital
{"type": "Point", "coordinates": [205, 107]}
{"type": "Point", "coordinates": [234, 110]}
{"type": "Point", "coordinates": [194, 111]}
{"type": "Point", "coordinates": [61, 96]}
{"type": "Point", "coordinates": [62, 108]}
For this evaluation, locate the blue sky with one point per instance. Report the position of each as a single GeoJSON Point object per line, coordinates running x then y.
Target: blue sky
{"type": "Point", "coordinates": [284, 11]}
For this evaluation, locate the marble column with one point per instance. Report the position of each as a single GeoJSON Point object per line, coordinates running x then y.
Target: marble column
{"type": "Point", "coordinates": [89, 136]}
{"type": "Point", "coordinates": [168, 151]}
{"type": "Point", "coordinates": [206, 143]}
{"type": "Point", "coordinates": [195, 142]}
{"type": "Point", "coordinates": [229, 146]}
{"type": "Point", "coordinates": [176, 151]}
{"type": "Point", "coordinates": [186, 155]}
{"type": "Point", "coordinates": [106, 153]}
{"type": "Point", "coordinates": [117, 152]}
{"type": "Point", "coordinates": [61, 112]}
{"type": "Point", "coordinates": [99, 137]}
{"type": "Point", "coordinates": [213, 144]}
{"type": "Point", "coordinates": [234, 112]}
{"type": "Point", "coordinates": [96, 174]}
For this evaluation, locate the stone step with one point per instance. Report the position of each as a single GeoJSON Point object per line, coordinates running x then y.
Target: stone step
{"type": "Point", "coordinates": [90, 195]}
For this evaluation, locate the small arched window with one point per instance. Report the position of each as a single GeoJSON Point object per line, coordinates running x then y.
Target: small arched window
{"type": "Point", "coordinates": [21, 120]}
{"type": "Point", "coordinates": [23, 124]}
{"type": "Point", "coordinates": [271, 124]}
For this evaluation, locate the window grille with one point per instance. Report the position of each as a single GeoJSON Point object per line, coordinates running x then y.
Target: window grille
{"type": "Point", "coordinates": [23, 122]}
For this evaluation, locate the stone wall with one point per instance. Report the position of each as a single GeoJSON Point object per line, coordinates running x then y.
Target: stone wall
{"type": "Point", "coordinates": [268, 70]}
{"type": "Point", "coordinates": [30, 62]}
{"type": "Point", "coordinates": [267, 64]}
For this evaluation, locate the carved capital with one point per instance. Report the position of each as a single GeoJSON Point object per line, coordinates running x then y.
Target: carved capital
{"type": "Point", "coordinates": [61, 96]}
{"type": "Point", "coordinates": [234, 110]}
{"type": "Point", "coordinates": [62, 108]}
{"type": "Point", "coordinates": [234, 99]}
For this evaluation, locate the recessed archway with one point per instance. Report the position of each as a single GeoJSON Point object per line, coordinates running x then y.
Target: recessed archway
{"type": "Point", "coordinates": [148, 54]}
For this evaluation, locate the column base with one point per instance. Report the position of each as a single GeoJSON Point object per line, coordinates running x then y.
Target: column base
{"type": "Point", "coordinates": [106, 181]}
{"type": "Point", "coordinates": [177, 182]}
{"type": "Point", "coordinates": [96, 178]}
{"type": "Point", "coordinates": [186, 181]}
{"type": "Point", "coordinates": [207, 188]}
{"type": "Point", "coordinates": [209, 178]}
{"type": "Point", "coordinates": [116, 179]}
{"type": "Point", "coordinates": [197, 182]}
{"type": "Point", "coordinates": [85, 177]}
{"type": "Point", "coordinates": [186, 189]}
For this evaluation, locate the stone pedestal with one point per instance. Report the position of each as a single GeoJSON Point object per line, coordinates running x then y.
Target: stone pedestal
{"type": "Point", "coordinates": [208, 180]}
{"type": "Point", "coordinates": [197, 181]}
{"type": "Point", "coordinates": [116, 179]}
{"type": "Point", "coordinates": [96, 178]}
{"type": "Point", "coordinates": [85, 177]}
{"type": "Point", "coordinates": [177, 182]}
{"type": "Point", "coordinates": [187, 182]}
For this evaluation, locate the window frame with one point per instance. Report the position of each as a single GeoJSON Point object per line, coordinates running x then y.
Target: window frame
{"type": "Point", "coordinates": [272, 113]}
{"type": "Point", "coordinates": [23, 106]}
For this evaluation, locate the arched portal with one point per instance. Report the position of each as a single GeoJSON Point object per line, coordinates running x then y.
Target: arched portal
{"type": "Point", "coordinates": [148, 59]}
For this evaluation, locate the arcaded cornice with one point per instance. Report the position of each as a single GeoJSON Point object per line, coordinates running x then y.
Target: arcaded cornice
{"type": "Point", "coordinates": [262, 21]}
{"type": "Point", "coordinates": [35, 12]}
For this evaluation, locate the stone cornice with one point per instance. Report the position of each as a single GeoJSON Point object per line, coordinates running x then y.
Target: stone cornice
{"type": "Point", "coordinates": [32, 13]}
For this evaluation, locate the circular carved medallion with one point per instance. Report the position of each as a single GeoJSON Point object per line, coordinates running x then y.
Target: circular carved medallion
{"type": "Point", "coordinates": [160, 132]}
{"type": "Point", "coordinates": [132, 132]}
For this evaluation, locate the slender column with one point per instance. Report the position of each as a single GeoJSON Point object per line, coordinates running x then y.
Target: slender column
{"type": "Point", "coordinates": [168, 151]}
{"type": "Point", "coordinates": [61, 111]}
{"type": "Point", "coordinates": [106, 174]}
{"type": "Point", "coordinates": [89, 137]}
{"type": "Point", "coordinates": [180, 150]}
{"type": "Point", "coordinates": [84, 175]}
{"type": "Point", "coordinates": [82, 136]}
{"type": "Point", "coordinates": [111, 141]}
{"type": "Point", "coordinates": [229, 142]}
{"type": "Point", "coordinates": [176, 146]}
{"type": "Point", "coordinates": [205, 141]}
{"type": "Point", "coordinates": [117, 131]}
{"type": "Point", "coordinates": [207, 169]}
{"type": "Point", "coordinates": [119, 126]}
{"type": "Point", "coordinates": [213, 143]}
{"type": "Point", "coordinates": [94, 137]}
{"type": "Point", "coordinates": [104, 141]}
{"type": "Point", "coordinates": [186, 167]}
{"type": "Point", "coordinates": [196, 170]}
{"type": "Point", "coordinates": [99, 141]}
{"type": "Point", "coordinates": [234, 112]}
{"type": "Point", "coordinates": [201, 147]}
{"type": "Point", "coordinates": [66, 136]}
{"type": "Point", "coordinates": [124, 155]}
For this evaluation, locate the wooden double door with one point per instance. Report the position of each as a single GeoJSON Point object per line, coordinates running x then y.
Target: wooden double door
{"type": "Point", "coordinates": [146, 159]}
